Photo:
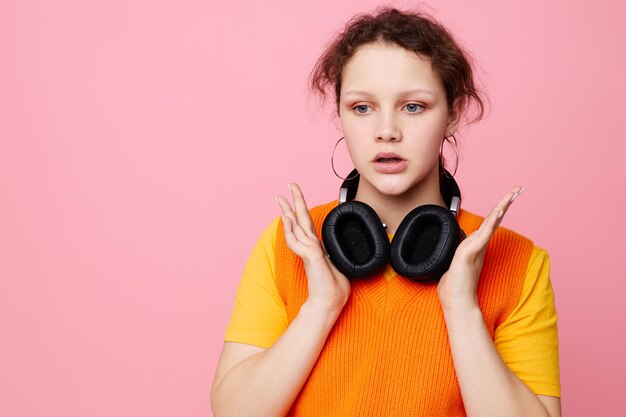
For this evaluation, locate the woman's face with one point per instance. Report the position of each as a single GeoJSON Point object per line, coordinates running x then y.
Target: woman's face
{"type": "Point", "coordinates": [392, 102]}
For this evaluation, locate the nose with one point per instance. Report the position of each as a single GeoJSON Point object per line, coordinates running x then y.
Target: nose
{"type": "Point", "coordinates": [388, 130]}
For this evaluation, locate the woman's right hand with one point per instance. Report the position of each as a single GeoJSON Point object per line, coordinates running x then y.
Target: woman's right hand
{"type": "Point", "coordinates": [329, 289]}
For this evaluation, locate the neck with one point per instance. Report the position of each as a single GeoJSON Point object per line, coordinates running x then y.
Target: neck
{"type": "Point", "coordinates": [391, 209]}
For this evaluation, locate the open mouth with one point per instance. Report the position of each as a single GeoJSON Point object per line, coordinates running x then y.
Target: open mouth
{"type": "Point", "coordinates": [389, 163]}
{"type": "Point", "coordinates": [387, 157]}
{"type": "Point", "coordinates": [389, 160]}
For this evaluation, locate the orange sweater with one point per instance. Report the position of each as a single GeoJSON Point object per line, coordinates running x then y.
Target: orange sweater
{"type": "Point", "coordinates": [388, 353]}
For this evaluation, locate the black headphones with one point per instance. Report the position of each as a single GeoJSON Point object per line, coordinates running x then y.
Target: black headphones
{"type": "Point", "coordinates": [421, 249]}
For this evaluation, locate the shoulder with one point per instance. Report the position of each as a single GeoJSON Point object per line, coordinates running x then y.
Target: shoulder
{"type": "Point", "coordinates": [323, 209]}
{"type": "Point", "coordinates": [268, 236]}
{"type": "Point", "coordinates": [262, 254]}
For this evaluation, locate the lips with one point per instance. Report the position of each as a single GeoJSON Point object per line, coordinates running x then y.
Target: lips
{"type": "Point", "coordinates": [387, 157]}
{"type": "Point", "coordinates": [389, 163]}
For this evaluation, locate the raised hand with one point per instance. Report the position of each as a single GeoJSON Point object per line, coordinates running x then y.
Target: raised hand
{"type": "Point", "coordinates": [457, 288]}
{"type": "Point", "coordinates": [328, 288]}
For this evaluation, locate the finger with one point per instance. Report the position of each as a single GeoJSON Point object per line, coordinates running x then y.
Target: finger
{"type": "Point", "coordinates": [306, 251]}
{"type": "Point", "coordinates": [302, 235]}
{"type": "Point", "coordinates": [302, 212]}
{"type": "Point", "coordinates": [479, 239]}
{"type": "Point", "coordinates": [290, 238]}
{"type": "Point", "coordinates": [502, 205]}
{"type": "Point", "coordinates": [506, 201]}
{"type": "Point", "coordinates": [488, 224]}
{"type": "Point", "coordinates": [508, 198]}
{"type": "Point", "coordinates": [285, 207]}
{"type": "Point", "coordinates": [299, 233]}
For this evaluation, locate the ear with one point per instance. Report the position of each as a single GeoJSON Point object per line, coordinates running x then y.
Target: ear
{"type": "Point", "coordinates": [454, 118]}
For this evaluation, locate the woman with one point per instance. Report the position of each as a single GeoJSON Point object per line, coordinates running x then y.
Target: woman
{"type": "Point", "coordinates": [306, 340]}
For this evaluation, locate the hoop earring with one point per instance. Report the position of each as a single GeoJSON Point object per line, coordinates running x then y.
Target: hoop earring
{"type": "Point", "coordinates": [332, 163]}
{"type": "Point", "coordinates": [456, 154]}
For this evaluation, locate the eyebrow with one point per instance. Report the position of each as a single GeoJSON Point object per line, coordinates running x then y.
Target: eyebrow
{"type": "Point", "coordinates": [402, 93]}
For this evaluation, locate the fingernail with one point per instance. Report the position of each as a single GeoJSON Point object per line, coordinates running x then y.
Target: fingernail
{"type": "Point", "coordinates": [289, 185]}
{"type": "Point", "coordinates": [517, 194]}
{"type": "Point", "coordinates": [499, 215]}
{"type": "Point", "coordinates": [276, 198]}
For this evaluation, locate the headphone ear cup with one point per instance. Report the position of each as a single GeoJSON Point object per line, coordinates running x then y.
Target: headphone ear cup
{"type": "Point", "coordinates": [425, 242]}
{"type": "Point", "coordinates": [354, 237]}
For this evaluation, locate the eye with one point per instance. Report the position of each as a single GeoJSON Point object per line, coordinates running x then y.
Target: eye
{"type": "Point", "coordinates": [361, 107]}
{"type": "Point", "coordinates": [414, 108]}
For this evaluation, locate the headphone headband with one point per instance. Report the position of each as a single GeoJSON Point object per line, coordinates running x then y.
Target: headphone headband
{"type": "Point", "coordinates": [449, 190]}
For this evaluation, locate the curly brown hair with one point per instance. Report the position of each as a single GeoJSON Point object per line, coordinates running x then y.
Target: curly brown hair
{"type": "Point", "coordinates": [414, 31]}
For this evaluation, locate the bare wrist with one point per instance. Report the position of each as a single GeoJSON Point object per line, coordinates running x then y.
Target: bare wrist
{"type": "Point", "coordinates": [461, 310]}
{"type": "Point", "coordinates": [311, 308]}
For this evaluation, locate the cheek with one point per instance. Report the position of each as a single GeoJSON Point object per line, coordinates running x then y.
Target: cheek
{"type": "Point", "coordinates": [359, 153]}
{"type": "Point", "coordinates": [354, 128]}
{"type": "Point", "coordinates": [434, 145]}
{"type": "Point", "coordinates": [429, 134]}
{"type": "Point", "coordinates": [424, 145]}
{"type": "Point", "coordinates": [434, 124]}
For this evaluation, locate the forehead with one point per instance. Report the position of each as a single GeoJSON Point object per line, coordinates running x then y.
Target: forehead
{"type": "Point", "coordinates": [377, 68]}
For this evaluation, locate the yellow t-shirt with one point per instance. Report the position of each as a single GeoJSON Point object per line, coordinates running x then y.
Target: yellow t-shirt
{"type": "Point", "coordinates": [527, 340]}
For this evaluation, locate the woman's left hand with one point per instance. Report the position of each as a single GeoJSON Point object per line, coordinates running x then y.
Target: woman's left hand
{"type": "Point", "coordinates": [457, 288]}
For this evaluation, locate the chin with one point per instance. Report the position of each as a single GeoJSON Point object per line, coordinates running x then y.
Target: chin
{"type": "Point", "coordinates": [391, 186]}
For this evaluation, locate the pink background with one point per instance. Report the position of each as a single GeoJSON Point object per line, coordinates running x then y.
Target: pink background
{"type": "Point", "coordinates": [142, 144]}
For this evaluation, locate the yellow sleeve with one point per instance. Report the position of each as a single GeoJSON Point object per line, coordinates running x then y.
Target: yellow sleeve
{"type": "Point", "coordinates": [259, 316]}
{"type": "Point", "coordinates": [528, 339]}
